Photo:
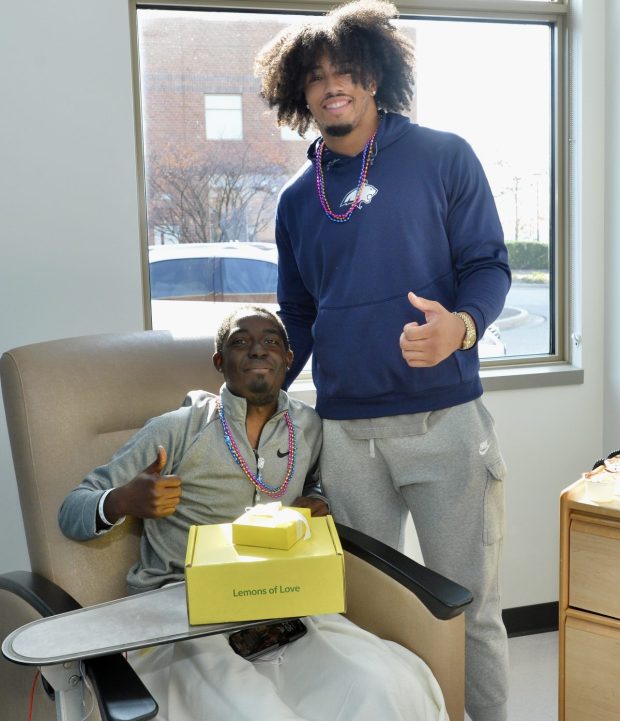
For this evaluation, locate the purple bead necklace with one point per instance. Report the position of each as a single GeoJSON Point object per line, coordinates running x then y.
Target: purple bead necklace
{"type": "Point", "coordinates": [320, 182]}
{"type": "Point", "coordinates": [257, 480]}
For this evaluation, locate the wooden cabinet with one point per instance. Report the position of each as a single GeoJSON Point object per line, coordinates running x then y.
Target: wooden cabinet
{"type": "Point", "coordinates": [589, 623]}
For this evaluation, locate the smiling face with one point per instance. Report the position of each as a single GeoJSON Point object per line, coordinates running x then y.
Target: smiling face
{"type": "Point", "coordinates": [341, 107]}
{"type": "Point", "coordinates": [254, 359]}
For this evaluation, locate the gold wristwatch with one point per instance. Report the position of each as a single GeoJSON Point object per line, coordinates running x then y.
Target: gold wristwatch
{"type": "Point", "coordinates": [469, 341]}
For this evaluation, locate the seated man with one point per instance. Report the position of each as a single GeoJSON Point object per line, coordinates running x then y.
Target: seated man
{"type": "Point", "coordinates": [205, 463]}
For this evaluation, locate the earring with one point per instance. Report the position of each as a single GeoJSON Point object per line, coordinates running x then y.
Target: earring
{"type": "Point", "coordinates": [374, 92]}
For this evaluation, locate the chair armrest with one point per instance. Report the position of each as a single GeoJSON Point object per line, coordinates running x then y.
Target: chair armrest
{"type": "Point", "coordinates": [444, 598]}
{"type": "Point", "coordinates": [121, 694]}
{"type": "Point", "coordinates": [43, 595]}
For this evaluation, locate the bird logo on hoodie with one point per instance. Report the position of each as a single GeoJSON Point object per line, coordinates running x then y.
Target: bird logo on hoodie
{"type": "Point", "coordinates": [368, 193]}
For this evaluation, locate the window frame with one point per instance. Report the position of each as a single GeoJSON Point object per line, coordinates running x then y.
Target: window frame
{"type": "Point", "coordinates": [558, 368]}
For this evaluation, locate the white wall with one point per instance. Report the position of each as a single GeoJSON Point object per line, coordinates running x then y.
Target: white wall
{"type": "Point", "coordinates": [612, 226]}
{"type": "Point", "coordinates": [70, 258]}
{"type": "Point", "coordinates": [70, 252]}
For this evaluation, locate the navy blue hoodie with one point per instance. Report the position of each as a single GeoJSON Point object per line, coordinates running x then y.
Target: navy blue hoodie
{"type": "Point", "coordinates": [427, 223]}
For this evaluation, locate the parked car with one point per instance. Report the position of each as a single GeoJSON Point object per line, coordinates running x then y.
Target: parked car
{"type": "Point", "coordinates": [237, 272]}
{"type": "Point", "coordinates": [212, 278]}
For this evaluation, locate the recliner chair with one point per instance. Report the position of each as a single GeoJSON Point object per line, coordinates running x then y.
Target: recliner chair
{"type": "Point", "coordinates": [69, 405]}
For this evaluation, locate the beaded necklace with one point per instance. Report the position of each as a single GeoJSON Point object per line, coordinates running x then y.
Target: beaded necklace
{"type": "Point", "coordinates": [257, 480]}
{"type": "Point", "coordinates": [320, 182]}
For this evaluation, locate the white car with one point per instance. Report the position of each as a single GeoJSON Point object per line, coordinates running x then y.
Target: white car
{"type": "Point", "coordinates": [240, 272]}
{"type": "Point", "coordinates": [194, 285]}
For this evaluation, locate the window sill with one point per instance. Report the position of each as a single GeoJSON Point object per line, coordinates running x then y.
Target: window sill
{"type": "Point", "coordinates": [503, 378]}
{"type": "Point", "coordinates": [519, 377]}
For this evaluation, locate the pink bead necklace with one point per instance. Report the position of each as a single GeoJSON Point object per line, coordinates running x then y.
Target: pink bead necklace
{"type": "Point", "coordinates": [320, 182]}
{"type": "Point", "coordinates": [257, 480]}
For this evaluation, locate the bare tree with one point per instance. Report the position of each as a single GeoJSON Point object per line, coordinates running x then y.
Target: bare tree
{"type": "Point", "coordinates": [224, 195]}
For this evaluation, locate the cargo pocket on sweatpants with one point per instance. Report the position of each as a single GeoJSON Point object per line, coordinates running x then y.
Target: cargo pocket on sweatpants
{"type": "Point", "coordinates": [494, 502]}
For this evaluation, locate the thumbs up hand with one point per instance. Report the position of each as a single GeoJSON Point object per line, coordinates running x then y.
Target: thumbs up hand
{"type": "Point", "coordinates": [158, 464]}
{"type": "Point", "coordinates": [148, 495]}
{"type": "Point", "coordinates": [427, 345]}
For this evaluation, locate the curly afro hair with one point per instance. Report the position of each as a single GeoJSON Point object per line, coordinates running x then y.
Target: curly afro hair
{"type": "Point", "coordinates": [357, 34]}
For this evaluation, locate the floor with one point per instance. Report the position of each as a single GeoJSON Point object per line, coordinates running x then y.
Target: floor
{"type": "Point", "coordinates": [533, 677]}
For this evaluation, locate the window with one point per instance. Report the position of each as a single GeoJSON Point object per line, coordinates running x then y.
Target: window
{"type": "Point", "coordinates": [493, 78]}
{"type": "Point", "coordinates": [223, 117]}
{"type": "Point", "coordinates": [499, 98]}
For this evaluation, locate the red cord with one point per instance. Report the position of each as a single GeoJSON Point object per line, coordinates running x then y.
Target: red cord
{"type": "Point", "coordinates": [31, 702]}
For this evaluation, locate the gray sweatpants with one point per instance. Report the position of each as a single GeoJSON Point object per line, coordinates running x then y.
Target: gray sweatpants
{"type": "Point", "coordinates": [446, 469]}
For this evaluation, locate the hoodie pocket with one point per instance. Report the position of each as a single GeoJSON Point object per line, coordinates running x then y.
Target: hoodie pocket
{"type": "Point", "coordinates": [357, 354]}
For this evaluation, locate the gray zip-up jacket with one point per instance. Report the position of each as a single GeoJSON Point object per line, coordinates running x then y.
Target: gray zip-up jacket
{"type": "Point", "coordinates": [214, 488]}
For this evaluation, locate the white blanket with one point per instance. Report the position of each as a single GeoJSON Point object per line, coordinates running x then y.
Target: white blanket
{"type": "Point", "coordinates": [336, 672]}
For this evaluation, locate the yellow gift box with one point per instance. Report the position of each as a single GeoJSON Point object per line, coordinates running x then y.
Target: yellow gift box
{"type": "Point", "coordinates": [271, 525]}
{"type": "Point", "coordinates": [228, 582]}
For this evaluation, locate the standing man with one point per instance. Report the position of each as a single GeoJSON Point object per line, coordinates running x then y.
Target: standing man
{"type": "Point", "coordinates": [391, 266]}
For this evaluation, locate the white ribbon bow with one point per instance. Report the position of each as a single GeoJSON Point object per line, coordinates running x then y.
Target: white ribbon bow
{"type": "Point", "coordinates": [275, 511]}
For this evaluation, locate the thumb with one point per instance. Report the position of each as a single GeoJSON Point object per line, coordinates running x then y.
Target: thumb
{"type": "Point", "coordinates": [431, 308]}
{"type": "Point", "coordinates": [420, 303]}
{"type": "Point", "coordinates": [160, 462]}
